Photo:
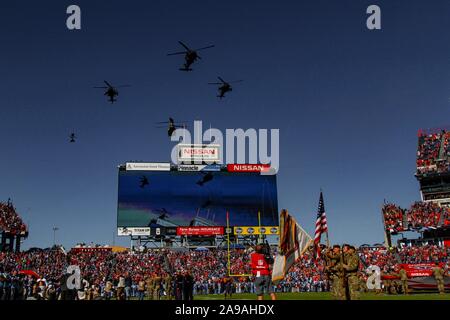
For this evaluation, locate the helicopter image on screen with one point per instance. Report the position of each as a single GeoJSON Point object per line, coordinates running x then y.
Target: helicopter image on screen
{"type": "Point", "coordinates": [172, 126]}
{"type": "Point", "coordinates": [190, 55]}
{"type": "Point", "coordinates": [224, 86]}
{"type": "Point", "coordinates": [111, 91]}
{"type": "Point", "coordinates": [143, 182]}
{"type": "Point", "coordinates": [72, 138]}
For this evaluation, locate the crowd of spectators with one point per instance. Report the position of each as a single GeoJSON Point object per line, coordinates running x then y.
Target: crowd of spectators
{"type": "Point", "coordinates": [429, 156]}
{"type": "Point", "coordinates": [426, 214]}
{"type": "Point", "coordinates": [307, 275]}
{"type": "Point", "coordinates": [393, 218]}
{"type": "Point", "coordinates": [10, 222]}
{"type": "Point", "coordinates": [382, 257]}
{"type": "Point", "coordinates": [102, 271]}
{"type": "Point", "coordinates": [424, 254]}
{"type": "Point", "coordinates": [419, 215]}
{"type": "Point", "coordinates": [428, 150]}
{"type": "Point", "coordinates": [40, 274]}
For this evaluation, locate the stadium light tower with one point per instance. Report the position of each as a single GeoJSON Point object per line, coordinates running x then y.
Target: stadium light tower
{"type": "Point", "coordinates": [54, 235]}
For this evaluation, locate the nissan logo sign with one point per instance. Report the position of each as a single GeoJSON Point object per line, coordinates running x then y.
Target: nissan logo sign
{"type": "Point", "coordinates": [250, 230]}
{"type": "Point", "coordinates": [273, 230]}
{"type": "Point", "coordinates": [238, 230]}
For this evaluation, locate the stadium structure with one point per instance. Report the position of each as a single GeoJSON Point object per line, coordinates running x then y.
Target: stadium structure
{"type": "Point", "coordinates": [12, 229]}
{"type": "Point", "coordinates": [433, 175]}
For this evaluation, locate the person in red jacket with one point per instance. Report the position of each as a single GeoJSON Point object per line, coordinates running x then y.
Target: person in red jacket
{"type": "Point", "coordinates": [262, 273]}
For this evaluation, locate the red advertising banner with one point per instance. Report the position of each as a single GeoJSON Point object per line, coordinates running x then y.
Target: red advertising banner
{"type": "Point", "coordinates": [248, 167]}
{"type": "Point", "coordinates": [200, 231]}
{"type": "Point", "coordinates": [419, 270]}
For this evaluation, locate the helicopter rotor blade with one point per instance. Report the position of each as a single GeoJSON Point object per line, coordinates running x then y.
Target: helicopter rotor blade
{"type": "Point", "coordinates": [108, 84]}
{"type": "Point", "coordinates": [100, 87]}
{"type": "Point", "coordinates": [203, 48]}
{"type": "Point", "coordinates": [215, 83]}
{"type": "Point", "coordinates": [184, 46]}
{"type": "Point", "coordinates": [177, 53]}
{"type": "Point", "coordinates": [223, 81]}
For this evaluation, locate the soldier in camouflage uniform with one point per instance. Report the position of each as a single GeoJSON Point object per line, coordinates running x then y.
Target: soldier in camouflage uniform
{"type": "Point", "coordinates": [439, 276]}
{"type": "Point", "coordinates": [386, 283]}
{"type": "Point", "coordinates": [334, 271]}
{"type": "Point", "coordinates": [157, 281]}
{"type": "Point", "coordinates": [362, 282]}
{"type": "Point", "coordinates": [149, 282]}
{"type": "Point", "coordinates": [404, 280]}
{"type": "Point", "coordinates": [351, 267]}
{"type": "Point", "coordinates": [168, 286]}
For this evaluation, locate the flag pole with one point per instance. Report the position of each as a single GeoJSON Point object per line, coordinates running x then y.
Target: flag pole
{"type": "Point", "coordinates": [259, 225]}
{"type": "Point", "coordinates": [228, 244]}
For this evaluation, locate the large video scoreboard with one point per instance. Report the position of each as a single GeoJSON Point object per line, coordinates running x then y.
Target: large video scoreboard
{"type": "Point", "coordinates": [195, 200]}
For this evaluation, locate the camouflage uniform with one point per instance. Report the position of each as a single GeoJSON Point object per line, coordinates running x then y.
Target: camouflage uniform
{"type": "Point", "coordinates": [335, 273]}
{"type": "Point", "coordinates": [439, 276]}
{"type": "Point", "coordinates": [404, 280]}
{"type": "Point", "coordinates": [362, 283]}
{"type": "Point", "coordinates": [157, 288]}
{"type": "Point", "coordinates": [351, 266]}
{"type": "Point", "coordinates": [168, 286]}
{"type": "Point", "coordinates": [149, 281]}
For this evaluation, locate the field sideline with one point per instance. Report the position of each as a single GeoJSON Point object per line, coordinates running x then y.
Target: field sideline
{"type": "Point", "coordinates": [328, 296]}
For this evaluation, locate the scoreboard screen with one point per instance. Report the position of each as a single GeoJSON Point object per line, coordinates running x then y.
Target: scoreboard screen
{"type": "Point", "coordinates": [177, 199]}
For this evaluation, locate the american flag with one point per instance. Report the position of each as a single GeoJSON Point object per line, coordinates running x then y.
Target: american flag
{"type": "Point", "coordinates": [321, 225]}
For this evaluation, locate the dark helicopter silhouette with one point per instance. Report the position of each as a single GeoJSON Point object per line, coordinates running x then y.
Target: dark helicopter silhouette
{"type": "Point", "coordinates": [190, 55]}
{"type": "Point", "coordinates": [72, 138]}
{"type": "Point", "coordinates": [143, 182]}
{"type": "Point", "coordinates": [224, 86]}
{"type": "Point", "coordinates": [206, 178]}
{"type": "Point", "coordinates": [111, 91]}
{"type": "Point", "coordinates": [172, 126]}
{"type": "Point", "coordinates": [163, 215]}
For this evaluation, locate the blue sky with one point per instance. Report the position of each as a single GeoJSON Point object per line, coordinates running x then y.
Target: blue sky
{"type": "Point", "coordinates": [348, 101]}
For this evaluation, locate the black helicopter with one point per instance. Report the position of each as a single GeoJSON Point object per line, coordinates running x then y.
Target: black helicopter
{"type": "Point", "coordinates": [224, 86]}
{"type": "Point", "coordinates": [111, 91]}
{"type": "Point", "coordinates": [163, 215]}
{"type": "Point", "coordinates": [72, 138]}
{"type": "Point", "coordinates": [143, 182]}
{"type": "Point", "coordinates": [206, 178]}
{"type": "Point", "coordinates": [190, 55]}
{"type": "Point", "coordinates": [172, 126]}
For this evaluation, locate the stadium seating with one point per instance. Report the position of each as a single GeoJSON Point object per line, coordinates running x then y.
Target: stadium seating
{"type": "Point", "coordinates": [433, 152]}
{"type": "Point", "coordinates": [207, 267]}
{"type": "Point", "coordinates": [10, 222]}
{"type": "Point", "coordinates": [419, 215]}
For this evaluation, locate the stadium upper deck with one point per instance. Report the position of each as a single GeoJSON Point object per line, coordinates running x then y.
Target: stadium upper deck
{"type": "Point", "coordinates": [433, 166]}
{"type": "Point", "coordinates": [12, 228]}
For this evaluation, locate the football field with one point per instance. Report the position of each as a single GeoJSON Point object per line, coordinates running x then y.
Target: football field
{"type": "Point", "coordinates": [328, 296]}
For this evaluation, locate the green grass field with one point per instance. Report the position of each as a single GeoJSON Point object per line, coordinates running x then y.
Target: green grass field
{"type": "Point", "coordinates": [328, 296]}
